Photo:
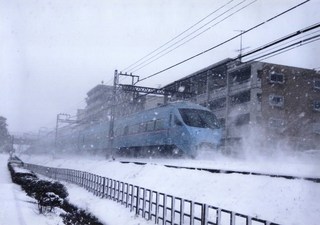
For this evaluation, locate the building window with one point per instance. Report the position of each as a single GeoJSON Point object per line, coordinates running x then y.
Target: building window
{"type": "Point", "coordinates": [316, 128]}
{"type": "Point", "coordinates": [217, 104]}
{"type": "Point", "coordinates": [277, 78]}
{"type": "Point", "coordinates": [259, 74]}
{"type": "Point", "coordinates": [133, 129]}
{"type": "Point", "coordinates": [259, 97]}
{"type": "Point", "coordinates": [242, 119]}
{"type": "Point", "coordinates": [316, 84]}
{"type": "Point", "coordinates": [222, 122]}
{"type": "Point", "coordinates": [316, 105]}
{"type": "Point", "coordinates": [241, 97]}
{"type": "Point", "coordinates": [276, 123]}
{"type": "Point", "coordinates": [276, 100]}
{"type": "Point", "coordinates": [160, 125]}
{"type": "Point", "coordinates": [142, 127]}
{"type": "Point", "coordinates": [150, 125]}
{"type": "Point", "coordinates": [241, 76]}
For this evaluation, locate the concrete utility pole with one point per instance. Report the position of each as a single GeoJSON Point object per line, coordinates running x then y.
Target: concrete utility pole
{"type": "Point", "coordinates": [111, 128]}
{"type": "Point", "coordinates": [65, 120]}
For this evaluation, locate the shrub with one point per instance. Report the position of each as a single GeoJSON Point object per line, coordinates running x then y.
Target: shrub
{"type": "Point", "coordinates": [50, 195]}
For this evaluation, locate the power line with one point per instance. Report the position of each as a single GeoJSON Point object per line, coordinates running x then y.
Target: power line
{"type": "Point", "coordinates": [266, 55]}
{"type": "Point", "coordinates": [177, 42]}
{"type": "Point", "coordinates": [193, 36]}
{"type": "Point", "coordinates": [174, 38]}
{"type": "Point", "coordinates": [224, 42]}
{"type": "Point", "coordinates": [283, 39]}
{"type": "Point", "coordinates": [251, 52]}
{"type": "Point", "coordinates": [289, 41]}
{"type": "Point", "coordinates": [287, 48]}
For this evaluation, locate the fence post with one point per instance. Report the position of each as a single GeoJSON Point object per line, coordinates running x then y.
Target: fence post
{"type": "Point", "coordinates": [157, 208]}
{"type": "Point", "coordinates": [164, 209]}
{"type": "Point", "coordinates": [182, 211]}
{"type": "Point", "coordinates": [103, 186]}
{"type": "Point", "coordinates": [127, 194]}
{"type": "Point", "coordinates": [172, 209]}
{"type": "Point", "coordinates": [248, 220]}
{"type": "Point", "coordinates": [150, 205]}
{"type": "Point", "coordinates": [218, 218]}
{"type": "Point", "coordinates": [233, 218]}
{"type": "Point", "coordinates": [138, 200]}
{"type": "Point", "coordinates": [118, 191]}
{"type": "Point", "coordinates": [143, 202]}
{"type": "Point", "coordinates": [132, 197]}
{"type": "Point", "coordinates": [191, 213]}
{"type": "Point", "coordinates": [204, 213]}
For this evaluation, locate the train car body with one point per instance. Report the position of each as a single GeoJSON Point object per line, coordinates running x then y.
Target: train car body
{"type": "Point", "coordinates": [179, 128]}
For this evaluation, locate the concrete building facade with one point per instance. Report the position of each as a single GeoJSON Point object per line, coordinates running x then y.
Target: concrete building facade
{"type": "Point", "coordinates": [282, 101]}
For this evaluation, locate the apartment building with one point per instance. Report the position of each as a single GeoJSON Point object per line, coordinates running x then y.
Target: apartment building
{"type": "Point", "coordinates": [282, 101]}
{"type": "Point", "coordinates": [99, 102]}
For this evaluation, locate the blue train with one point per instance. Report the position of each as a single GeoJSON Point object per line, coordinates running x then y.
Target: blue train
{"type": "Point", "coordinates": [179, 128]}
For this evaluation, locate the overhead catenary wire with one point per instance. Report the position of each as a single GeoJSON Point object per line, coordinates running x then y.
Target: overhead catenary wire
{"type": "Point", "coordinates": [260, 24]}
{"type": "Point", "coordinates": [179, 35]}
{"type": "Point", "coordinates": [286, 48]}
{"type": "Point", "coordinates": [265, 55]}
{"type": "Point", "coordinates": [281, 50]}
{"type": "Point", "coordinates": [193, 37]}
{"type": "Point", "coordinates": [224, 42]}
{"type": "Point", "coordinates": [287, 37]}
{"type": "Point", "coordinates": [286, 43]}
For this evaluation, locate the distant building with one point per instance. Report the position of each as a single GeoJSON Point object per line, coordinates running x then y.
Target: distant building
{"type": "Point", "coordinates": [99, 100]}
{"type": "Point", "coordinates": [283, 100]}
{"type": "Point", "coordinates": [99, 103]}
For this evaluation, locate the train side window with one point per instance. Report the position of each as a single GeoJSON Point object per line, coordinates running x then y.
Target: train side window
{"type": "Point", "coordinates": [159, 124]}
{"type": "Point", "coordinates": [133, 129]}
{"type": "Point", "coordinates": [142, 127]}
{"type": "Point", "coordinates": [177, 121]}
{"type": "Point", "coordinates": [150, 125]}
{"type": "Point", "coordinates": [125, 130]}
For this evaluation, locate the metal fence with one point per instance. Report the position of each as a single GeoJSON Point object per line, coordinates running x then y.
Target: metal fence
{"type": "Point", "coordinates": [152, 205]}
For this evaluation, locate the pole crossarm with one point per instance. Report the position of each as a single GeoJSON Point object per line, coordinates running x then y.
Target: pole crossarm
{"type": "Point", "coordinates": [149, 90]}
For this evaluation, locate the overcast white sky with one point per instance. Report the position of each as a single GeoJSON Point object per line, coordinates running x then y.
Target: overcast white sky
{"type": "Point", "coordinates": [53, 52]}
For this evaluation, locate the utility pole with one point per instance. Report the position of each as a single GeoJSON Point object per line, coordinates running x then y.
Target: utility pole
{"type": "Point", "coordinates": [65, 120]}
{"type": "Point", "coordinates": [133, 77]}
{"type": "Point", "coordinates": [111, 128]}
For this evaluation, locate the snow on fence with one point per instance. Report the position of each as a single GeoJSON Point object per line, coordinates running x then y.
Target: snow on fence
{"type": "Point", "coordinates": [151, 205]}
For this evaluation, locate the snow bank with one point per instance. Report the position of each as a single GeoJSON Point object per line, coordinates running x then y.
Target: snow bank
{"type": "Point", "coordinates": [275, 199]}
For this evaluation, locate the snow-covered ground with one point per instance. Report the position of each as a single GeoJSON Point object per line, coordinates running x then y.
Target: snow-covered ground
{"type": "Point", "coordinates": [19, 209]}
{"type": "Point", "coordinates": [16, 207]}
{"type": "Point", "coordinates": [275, 199]}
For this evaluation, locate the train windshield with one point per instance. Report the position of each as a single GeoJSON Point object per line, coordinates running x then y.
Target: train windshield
{"type": "Point", "coordinates": [199, 118]}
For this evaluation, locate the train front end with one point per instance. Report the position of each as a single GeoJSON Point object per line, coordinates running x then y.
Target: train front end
{"type": "Point", "coordinates": [201, 130]}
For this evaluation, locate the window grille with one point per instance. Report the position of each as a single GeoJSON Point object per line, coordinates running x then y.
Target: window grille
{"type": "Point", "coordinates": [316, 128]}
{"type": "Point", "coordinates": [276, 100]}
{"type": "Point", "coordinates": [316, 105]}
{"type": "Point", "coordinates": [277, 78]}
{"type": "Point", "coordinates": [316, 84]}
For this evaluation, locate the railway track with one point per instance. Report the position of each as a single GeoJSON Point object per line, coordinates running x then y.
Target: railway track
{"type": "Point", "coordinates": [224, 171]}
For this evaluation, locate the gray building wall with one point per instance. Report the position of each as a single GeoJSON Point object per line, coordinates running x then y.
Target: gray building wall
{"type": "Point", "coordinates": [243, 97]}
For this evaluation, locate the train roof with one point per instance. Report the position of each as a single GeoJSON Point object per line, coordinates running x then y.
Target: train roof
{"type": "Point", "coordinates": [185, 104]}
{"type": "Point", "coordinates": [176, 104]}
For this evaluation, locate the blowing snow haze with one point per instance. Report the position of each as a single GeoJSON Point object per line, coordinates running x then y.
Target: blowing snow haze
{"type": "Point", "coordinates": [54, 52]}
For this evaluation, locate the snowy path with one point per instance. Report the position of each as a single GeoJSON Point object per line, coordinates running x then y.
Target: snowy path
{"type": "Point", "coordinates": [17, 208]}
